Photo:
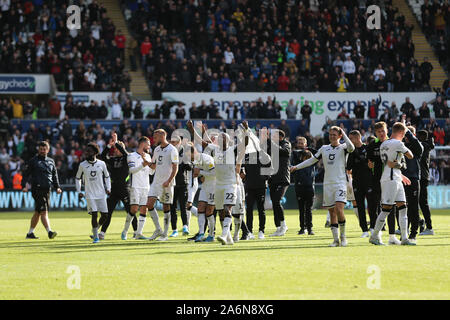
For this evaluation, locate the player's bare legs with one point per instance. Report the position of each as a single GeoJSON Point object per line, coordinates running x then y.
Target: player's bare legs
{"type": "Point", "coordinates": [403, 222]}
{"type": "Point", "coordinates": [166, 210]}
{"type": "Point", "coordinates": [337, 222]}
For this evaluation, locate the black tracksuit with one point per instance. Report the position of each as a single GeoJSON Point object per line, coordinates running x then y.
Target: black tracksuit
{"type": "Point", "coordinates": [424, 178]}
{"type": "Point", "coordinates": [120, 187]}
{"type": "Point", "coordinates": [304, 189]}
{"type": "Point", "coordinates": [180, 192]}
{"type": "Point", "coordinates": [41, 173]}
{"type": "Point", "coordinates": [374, 191]}
{"type": "Point", "coordinates": [412, 172]}
{"type": "Point", "coordinates": [362, 182]}
{"type": "Point", "coordinates": [280, 180]}
{"type": "Point", "coordinates": [255, 187]}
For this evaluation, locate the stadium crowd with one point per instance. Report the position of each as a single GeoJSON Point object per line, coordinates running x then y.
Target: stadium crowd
{"type": "Point", "coordinates": [436, 27]}
{"type": "Point", "coordinates": [248, 45]}
{"type": "Point", "coordinates": [35, 39]}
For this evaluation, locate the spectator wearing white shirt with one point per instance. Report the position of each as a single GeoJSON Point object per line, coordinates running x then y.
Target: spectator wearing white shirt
{"type": "Point", "coordinates": [91, 77]}
{"type": "Point", "coordinates": [349, 69]}
{"type": "Point", "coordinates": [95, 30]}
{"type": "Point", "coordinates": [379, 71]}
{"type": "Point", "coordinates": [229, 56]}
{"type": "Point", "coordinates": [116, 111]}
{"type": "Point", "coordinates": [5, 5]}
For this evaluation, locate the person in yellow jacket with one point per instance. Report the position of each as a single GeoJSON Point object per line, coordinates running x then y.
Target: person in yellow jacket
{"type": "Point", "coordinates": [342, 83]}
{"type": "Point", "coordinates": [17, 108]}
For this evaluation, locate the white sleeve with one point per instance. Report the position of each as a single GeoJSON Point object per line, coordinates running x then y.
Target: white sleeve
{"type": "Point", "coordinates": [318, 154]}
{"type": "Point", "coordinates": [349, 146]}
{"type": "Point", "coordinates": [307, 163]}
{"type": "Point", "coordinates": [78, 178]}
{"type": "Point", "coordinates": [174, 155]}
{"type": "Point", "coordinates": [402, 148]}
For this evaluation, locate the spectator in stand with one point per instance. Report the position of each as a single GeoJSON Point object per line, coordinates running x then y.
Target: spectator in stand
{"type": "Point", "coordinates": [343, 114]}
{"type": "Point", "coordinates": [306, 111]}
{"type": "Point", "coordinates": [359, 110]}
{"type": "Point", "coordinates": [17, 108]}
{"type": "Point", "coordinates": [283, 82]}
{"type": "Point", "coordinates": [373, 109]}
{"type": "Point", "coordinates": [407, 107]}
{"type": "Point", "coordinates": [424, 111]}
{"type": "Point", "coordinates": [425, 69]}
{"type": "Point", "coordinates": [55, 107]}
{"type": "Point", "coordinates": [146, 46]}
{"type": "Point", "coordinates": [120, 40]}
{"type": "Point", "coordinates": [292, 109]}
{"type": "Point", "coordinates": [180, 112]}
{"type": "Point", "coordinates": [342, 83]}
{"type": "Point", "coordinates": [439, 136]}
{"type": "Point", "coordinates": [439, 108]}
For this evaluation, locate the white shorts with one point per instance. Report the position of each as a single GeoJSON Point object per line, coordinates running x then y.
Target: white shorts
{"type": "Point", "coordinates": [350, 193]}
{"type": "Point", "coordinates": [164, 195]}
{"type": "Point", "coordinates": [192, 190]}
{"type": "Point", "coordinates": [239, 208]}
{"type": "Point", "coordinates": [138, 196]}
{"type": "Point", "coordinates": [332, 193]}
{"type": "Point", "coordinates": [207, 194]}
{"type": "Point", "coordinates": [97, 205]}
{"type": "Point", "coordinates": [225, 195]}
{"type": "Point", "coordinates": [392, 191]}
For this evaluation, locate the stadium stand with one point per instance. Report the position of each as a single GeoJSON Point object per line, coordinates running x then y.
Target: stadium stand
{"type": "Point", "coordinates": [35, 39]}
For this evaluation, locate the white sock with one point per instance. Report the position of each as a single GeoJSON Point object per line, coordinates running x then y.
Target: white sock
{"type": "Point", "coordinates": [328, 216]}
{"type": "Point", "coordinates": [355, 210]}
{"type": "Point", "coordinates": [392, 236]}
{"type": "Point", "coordinates": [48, 228]}
{"type": "Point", "coordinates": [237, 226]}
{"type": "Point", "coordinates": [188, 217]}
{"type": "Point", "coordinates": [381, 220]}
{"type": "Point", "coordinates": [95, 232]}
{"type": "Point", "coordinates": [211, 224]}
{"type": "Point", "coordinates": [155, 218]}
{"type": "Point", "coordinates": [141, 223]}
{"type": "Point", "coordinates": [194, 211]}
{"type": "Point", "coordinates": [166, 223]}
{"type": "Point", "coordinates": [31, 230]}
{"type": "Point", "coordinates": [201, 223]}
{"type": "Point", "coordinates": [102, 233]}
{"type": "Point", "coordinates": [342, 229]}
{"type": "Point", "coordinates": [226, 226]}
{"type": "Point", "coordinates": [283, 224]}
{"type": "Point", "coordinates": [335, 233]}
{"type": "Point", "coordinates": [403, 222]}
{"type": "Point", "coordinates": [128, 220]}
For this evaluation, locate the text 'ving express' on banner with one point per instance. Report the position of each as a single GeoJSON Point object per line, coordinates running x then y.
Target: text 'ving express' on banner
{"type": "Point", "coordinates": [324, 105]}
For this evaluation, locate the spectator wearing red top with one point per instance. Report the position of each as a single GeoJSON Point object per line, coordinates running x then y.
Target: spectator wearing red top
{"type": "Point", "coordinates": [295, 47]}
{"type": "Point", "coordinates": [439, 136]}
{"type": "Point", "coordinates": [146, 46]}
{"type": "Point", "coordinates": [283, 82]}
{"type": "Point", "coordinates": [55, 107]}
{"type": "Point", "coordinates": [120, 42]}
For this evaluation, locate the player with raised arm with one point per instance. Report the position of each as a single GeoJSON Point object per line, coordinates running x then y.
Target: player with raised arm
{"type": "Point", "coordinates": [95, 176]}
{"type": "Point", "coordinates": [335, 180]}
{"type": "Point", "coordinates": [139, 165]}
{"type": "Point", "coordinates": [392, 191]}
{"type": "Point", "coordinates": [165, 163]}
{"type": "Point", "coordinates": [204, 166]}
{"type": "Point", "coordinates": [115, 156]}
{"type": "Point", "coordinates": [227, 167]}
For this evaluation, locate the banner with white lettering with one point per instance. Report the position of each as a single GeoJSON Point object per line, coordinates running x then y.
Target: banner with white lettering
{"type": "Point", "coordinates": [324, 104]}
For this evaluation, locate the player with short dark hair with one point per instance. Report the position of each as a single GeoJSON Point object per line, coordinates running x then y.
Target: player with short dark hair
{"type": "Point", "coordinates": [95, 175]}
{"type": "Point", "coordinates": [41, 173]}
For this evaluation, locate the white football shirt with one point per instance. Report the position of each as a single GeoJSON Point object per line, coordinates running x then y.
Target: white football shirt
{"type": "Point", "coordinates": [95, 177]}
{"type": "Point", "coordinates": [391, 150]}
{"type": "Point", "coordinates": [206, 166]}
{"type": "Point", "coordinates": [139, 175]}
{"type": "Point", "coordinates": [225, 165]}
{"type": "Point", "coordinates": [334, 163]}
{"type": "Point", "coordinates": [164, 158]}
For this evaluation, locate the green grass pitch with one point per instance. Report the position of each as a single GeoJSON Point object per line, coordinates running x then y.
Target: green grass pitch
{"type": "Point", "coordinates": [290, 267]}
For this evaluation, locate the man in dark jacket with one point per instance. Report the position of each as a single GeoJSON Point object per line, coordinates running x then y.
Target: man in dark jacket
{"type": "Point", "coordinates": [255, 188]}
{"type": "Point", "coordinates": [41, 173]}
{"type": "Point", "coordinates": [115, 157]}
{"type": "Point", "coordinates": [280, 152]}
{"type": "Point", "coordinates": [304, 184]}
{"type": "Point", "coordinates": [180, 190]}
{"type": "Point", "coordinates": [428, 145]}
{"type": "Point", "coordinates": [412, 172]}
